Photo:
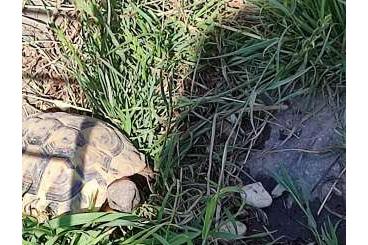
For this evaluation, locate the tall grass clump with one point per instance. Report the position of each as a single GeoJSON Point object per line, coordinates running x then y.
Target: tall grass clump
{"type": "Point", "coordinates": [133, 64]}
{"type": "Point", "coordinates": [251, 64]}
{"type": "Point", "coordinates": [312, 35]}
{"type": "Point", "coordinates": [283, 49]}
{"type": "Point", "coordinates": [133, 58]}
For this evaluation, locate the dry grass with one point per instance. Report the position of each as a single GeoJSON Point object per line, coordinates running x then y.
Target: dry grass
{"type": "Point", "coordinates": [45, 75]}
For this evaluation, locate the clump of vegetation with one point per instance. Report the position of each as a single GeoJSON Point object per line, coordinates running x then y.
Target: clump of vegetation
{"type": "Point", "coordinates": [134, 56]}
{"type": "Point", "coordinates": [193, 84]}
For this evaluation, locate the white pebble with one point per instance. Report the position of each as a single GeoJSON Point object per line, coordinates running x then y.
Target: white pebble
{"type": "Point", "coordinates": [236, 228]}
{"type": "Point", "coordinates": [256, 196]}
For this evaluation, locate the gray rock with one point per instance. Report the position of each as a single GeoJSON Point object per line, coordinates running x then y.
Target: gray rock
{"type": "Point", "coordinates": [278, 191]}
{"type": "Point", "coordinates": [236, 228]}
{"type": "Point", "coordinates": [310, 155]}
{"type": "Point", "coordinates": [256, 195]}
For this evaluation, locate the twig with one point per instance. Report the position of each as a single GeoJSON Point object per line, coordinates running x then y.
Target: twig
{"type": "Point", "coordinates": [340, 216]}
{"type": "Point", "coordinates": [194, 75]}
{"type": "Point", "coordinates": [326, 150]}
{"type": "Point", "coordinates": [211, 152]}
{"type": "Point", "coordinates": [58, 103]}
{"type": "Point", "coordinates": [330, 191]}
{"type": "Point", "coordinates": [39, 7]}
{"type": "Point", "coordinates": [224, 156]}
{"type": "Point", "coordinates": [245, 33]}
{"type": "Point", "coordinates": [326, 172]}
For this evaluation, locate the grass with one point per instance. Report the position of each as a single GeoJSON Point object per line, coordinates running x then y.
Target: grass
{"type": "Point", "coordinates": [101, 228]}
{"type": "Point", "coordinates": [325, 235]}
{"type": "Point", "coordinates": [133, 60]}
{"type": "Point", "coordinates": [193, 84]}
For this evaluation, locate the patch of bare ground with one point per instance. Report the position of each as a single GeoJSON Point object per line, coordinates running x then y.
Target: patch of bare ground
{"type": "Point", "coordinates": [46, 80]}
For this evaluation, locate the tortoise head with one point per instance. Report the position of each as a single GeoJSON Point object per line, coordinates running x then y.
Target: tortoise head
{"type": "Point", "coordinates": [128, 163]}
{"type": "Point", "coordinates": [123, 195]}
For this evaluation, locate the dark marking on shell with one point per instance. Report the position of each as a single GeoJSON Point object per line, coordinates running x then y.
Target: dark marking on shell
{"type": "Point", "coordinates": [52, 208]}
{"type": "Point", "coordinates": [37, 140]}
{"type": "Point", "coordinates": [54, 194]}
{"type": "Point", "coordinates": [62, 152]}
{"type": "Point", "coordinates": [109, 141]}
{"type": "Point", "coordinates": [34, 176]}
{"type": "Point", "coordinates": [64, 141]}
{"type": "Point", "coordinates": [113, 171]}
{"type": "Point", "coordinates": [26, 186]}
{"type": "Point", "coordinates": [105, 162]}
{"type": "Point", "coordinates": [24, 131]}
{"type": "Point", "coordinates": [39, 133]}
{"type": "Point", "coordinates": [88, 124]}
{"type": "Point", "coordinates": [100, 180]}
{"type": "Point", "coordinates": [95, 175]}
{"type": "Point", "coordinates": [24, 146]}
{"type": "Point", "coordinates": [69, 162]}
{"type": "Point", "coordinates": [87, 176]}
{"type": "Point", "coordinates": [79, 172]}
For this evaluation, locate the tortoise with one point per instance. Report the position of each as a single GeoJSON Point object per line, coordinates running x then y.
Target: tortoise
{"type": "Point", "coordinates": [72, 163]}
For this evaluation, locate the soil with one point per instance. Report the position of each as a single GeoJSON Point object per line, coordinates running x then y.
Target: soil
{"type": "Point", "coordinates": [43, 70]}
{"type": "Point", "coordinates": [312, 157]}
{"type": "Point", "coordinates": [304, 140]}
{"type": "Point", "coordinates": [289, 223]}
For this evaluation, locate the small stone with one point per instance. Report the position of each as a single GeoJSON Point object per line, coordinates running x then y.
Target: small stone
{"type": "Point", "coordinates": [233, 119]}
{"type": "Point", "coordinates": [256, 196]}
{"type": "Point", "coordinates": [289, 202]}
{"type": "Point", "coordinates": [278, 191]}
{"type": "Point", "coordinates": [236, 228]}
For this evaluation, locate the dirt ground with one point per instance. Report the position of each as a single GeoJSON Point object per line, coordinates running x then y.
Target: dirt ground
{"type": "Point", "coordinates": [45, 77]}
{"type": "Point", "coordinates": [305, 140]}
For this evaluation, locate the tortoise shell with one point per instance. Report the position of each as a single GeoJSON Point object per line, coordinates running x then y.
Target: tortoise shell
{"type": "Point", "coordinates": [68, 162]}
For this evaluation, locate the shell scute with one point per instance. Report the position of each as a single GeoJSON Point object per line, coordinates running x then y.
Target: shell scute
{"type": "Point", "coordinates": [64, 142]}
{"type": "Point", "coordinates": [40, 130]}
{"type": "Point", "coordinates": [103, 138]}
{"type": "Point", "coordinates": [33, 167]}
